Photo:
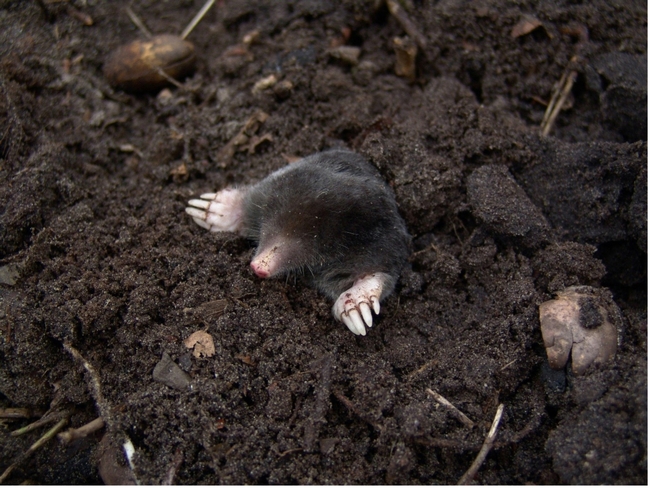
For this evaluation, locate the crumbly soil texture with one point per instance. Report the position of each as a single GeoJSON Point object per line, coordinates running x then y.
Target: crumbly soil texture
{"type": "Point", "coordinates": [104, 276]}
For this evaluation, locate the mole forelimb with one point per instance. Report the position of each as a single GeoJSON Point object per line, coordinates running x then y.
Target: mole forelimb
{"type": "Point", "coordinates": [329, 217]}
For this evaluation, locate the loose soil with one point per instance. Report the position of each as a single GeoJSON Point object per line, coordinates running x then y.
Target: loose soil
{"type": "Point", "coordinates": [98, 256]}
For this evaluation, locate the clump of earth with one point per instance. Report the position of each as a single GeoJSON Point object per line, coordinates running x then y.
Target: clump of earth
{"type": "Point", "coordinates": [113, 303]}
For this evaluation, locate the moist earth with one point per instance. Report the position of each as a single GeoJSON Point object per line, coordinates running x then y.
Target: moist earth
{"type": "Point", "coordinates": [104, 277]}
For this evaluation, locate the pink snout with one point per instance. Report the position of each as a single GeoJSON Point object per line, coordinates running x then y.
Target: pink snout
{"type": "Point", "coordinates": [259, 269]}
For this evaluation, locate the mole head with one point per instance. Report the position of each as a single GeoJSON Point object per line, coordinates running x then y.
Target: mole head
{"type": "Point", "coordinates": [294, 230]}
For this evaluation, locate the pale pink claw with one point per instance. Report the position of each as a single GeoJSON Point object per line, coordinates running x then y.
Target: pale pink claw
{"type": "Point", "coordinates": [218, 212]}
{"type": "Point", "coordinates": [353, 307]}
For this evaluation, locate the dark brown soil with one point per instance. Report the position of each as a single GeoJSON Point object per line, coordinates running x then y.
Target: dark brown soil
{"type": "Point", "coordinates": [94, 183]}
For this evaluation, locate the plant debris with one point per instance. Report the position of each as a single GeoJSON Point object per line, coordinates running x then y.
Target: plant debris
{"type": "Point", "coordinates": [202, 344]}
{"type": "Point", "coordinates": [405, 51]}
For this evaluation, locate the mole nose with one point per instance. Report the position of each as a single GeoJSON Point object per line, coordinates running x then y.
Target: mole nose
{"type": "Point", "coordinates": [259, 270]}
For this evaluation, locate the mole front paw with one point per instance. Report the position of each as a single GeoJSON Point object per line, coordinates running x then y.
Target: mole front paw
{"type": "Point", "coordinates": [354, 307]}
{"type": "Point", "coordinates": [218, 212]}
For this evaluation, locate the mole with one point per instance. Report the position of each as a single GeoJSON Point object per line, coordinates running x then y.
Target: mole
{"type": "Point", "coordinates": [328, 217]}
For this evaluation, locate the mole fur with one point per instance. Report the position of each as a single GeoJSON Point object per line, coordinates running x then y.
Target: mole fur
{"type": "Point", "coordinates": [336, 218]}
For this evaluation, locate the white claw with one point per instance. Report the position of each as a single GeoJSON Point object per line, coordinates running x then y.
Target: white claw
{"type": "Point", "coordinates": [366, 313]}
{"type": "Point", "coordinates": [375, 305]}
{"type": "Point", "coordinates": [356, 320]}
{"type": "Point", "coordinates": [208, 196]}
{"type": "Point", "coordinates": [348, 322]}
{"type": "Point", "coordinates": [202, 223]}
{"type": "Point", "coordinates": [204, 204]}
{"type": "Point", "coordinates": [196, 213]}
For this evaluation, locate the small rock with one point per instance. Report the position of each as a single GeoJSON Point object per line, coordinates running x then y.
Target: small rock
{"type": "Point", "coordinates": [169, 373]}
{"type": "Point", "coordinates": [164, 96]}
{"type": "Point", "coordinates": [251, 37]}
{"type": "Point", "coordinates": [9, 273]}
{"type": "Point", "coordinates": [185, 362]}
{"type": "Point", "coordinates": [283, 89]}
{"type": "Point", "coordinates": [346, 54]}
{"type": "Point", "coordinates": [577, 322]}
{"type": "Point", "coordinates": [264, 84]}
{"type": "Point", "coordinates": [112, 466]}
{"type": "Point", "coordinates": [526, 25]}
{"type": "Point", "coordinates": [327, 445]}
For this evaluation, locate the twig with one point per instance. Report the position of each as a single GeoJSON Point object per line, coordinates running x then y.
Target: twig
{"type": "Point", "coordinates": [467, 478]}
{"type": "Point", "coordinates": [138, 23]}
{"type": "Point", "coordinates": [430, 247]}
{"type": "Point", "coordinates": [407, 24]}
{"type": "Point", "coordinates": [350, 406]}
{"type": "Point", "coordinates": [197, 18]}
{"type": "Point", "coordinates": [562, 90]}
{"type": "Point", "coordinates": [509, 364]}
{"type": "Point", "coordinates": [465, 446]}
{"type": "Point", "coordinates": [15, 413]}
{"type": "Point", "coordinates": [44, 420]}
{"type": "Point", "coordinates": [171, 80]}
{"type": "Point", "coordinates": [39, 443]}
{"type": "Point", "coordinates": [460, 415]}
{"type": "Point", "coordinates": [428, 364]}
{"type": "Point", "coordinates": [95, 385]}
{"type": "Point", "coordinates": [289, 451]}
{"type": "Point", "coordinates": [71, 434]}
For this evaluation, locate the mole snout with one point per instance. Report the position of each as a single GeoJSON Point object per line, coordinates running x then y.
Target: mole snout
{"type": "Point", "coordinates": [259, 271]}
{"type": "Point", "coordinates": [265, 264]}
{"type": "Point", "coordinates": [329, 218]}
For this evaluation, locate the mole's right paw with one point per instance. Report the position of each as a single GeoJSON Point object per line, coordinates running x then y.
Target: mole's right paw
{"type": "Point", "coordinates": [354, 306]}
{"type": "Point", "coordinates": [218, 212]}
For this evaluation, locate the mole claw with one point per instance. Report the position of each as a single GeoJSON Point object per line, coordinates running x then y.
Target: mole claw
{"type": "Point", "coordinates": [208, 196]}
{"type": "Point", "coordinates": [366, 313]}
{"type": "Point", "coordinates": [348, 322]}
{"type": "Point", "coordinates": [204, 204]}
{"type": "Point", "coordinates": [375, 305]}
{"type": "Point", "coordinates": [202, 223]}
{"type": "Point", "coordinates": [357, 321]}
{"type": "Point", "coordinates": [195, 212]}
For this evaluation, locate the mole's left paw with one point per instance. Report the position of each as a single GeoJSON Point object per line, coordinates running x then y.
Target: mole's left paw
{"type": "Point", "coordinates": [218, 212]}
{"type": "Point", "coordinates": [354, 306]}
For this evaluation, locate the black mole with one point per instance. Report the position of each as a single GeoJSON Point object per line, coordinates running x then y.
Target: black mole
{"type": "Point", "coordinates": [330, 217]}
